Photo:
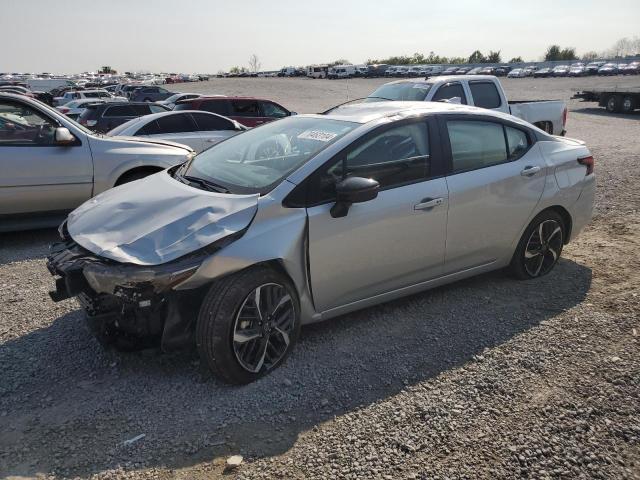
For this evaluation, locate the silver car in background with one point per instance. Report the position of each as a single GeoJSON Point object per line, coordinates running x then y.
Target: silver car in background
{"type": "Point", "coordinates": [315, 216]}
{"type": "Point", "coordinates": [50, 164]}
{"type": "Point", "coordinates": [196, 129]}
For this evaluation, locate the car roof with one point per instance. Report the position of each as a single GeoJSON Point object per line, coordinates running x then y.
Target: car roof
{"type": "Point", "coordinates": [445, 78]}
{"type": "Point", "coordinates": [370, 111]}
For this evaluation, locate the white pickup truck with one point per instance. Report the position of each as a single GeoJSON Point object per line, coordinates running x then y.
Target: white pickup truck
{"type": "Point", "coordinates": [483, 91]}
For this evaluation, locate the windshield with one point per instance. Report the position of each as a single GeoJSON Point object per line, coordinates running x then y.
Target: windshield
{"type": "Point", "coordinates": [173, 98]}
{"type": "Point", "coordinates": [403, 91]}
{"type": "Point", "coordinates": [257, 160]}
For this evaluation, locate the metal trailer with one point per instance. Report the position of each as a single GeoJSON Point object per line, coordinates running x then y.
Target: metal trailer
{"type": "Point", "coordinates": [615, 100]}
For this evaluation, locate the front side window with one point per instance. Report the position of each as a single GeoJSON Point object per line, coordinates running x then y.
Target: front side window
{"type": "Point", "coordinates": [485, 94]}
{"type": "Point", "coordinates": [273, 111]}
{"type": "Point", "coordinates": [449, 91]}
{"type": "Point", "coordinates": [476, 144]}
{"type": "Point", "coordinates": [257, 160]}
{"type": "Point", "coordinates": [21, 125]}
{"type": "Point", "coordinates": [394, 157]}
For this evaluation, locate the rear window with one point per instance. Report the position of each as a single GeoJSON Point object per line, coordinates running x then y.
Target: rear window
{"type": "Point", "coordinates": [485, 94]}
{"type": "Point", "coordinates": [402, 91]}
{"type": "Point", "coordinates": [120, 111]}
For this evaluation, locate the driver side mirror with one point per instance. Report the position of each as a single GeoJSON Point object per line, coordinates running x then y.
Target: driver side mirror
{"type": "Point", "coordinates": [291, 114]}
{"type": "Point", "coordinates": [63, 136]}
{"type": "Point", "coordinates": [353, 190]}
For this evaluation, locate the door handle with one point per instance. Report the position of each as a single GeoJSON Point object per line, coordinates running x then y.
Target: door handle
{"type": "Point", "coordinates": [428, 203]}
{"type": "Point", "coordinates": [529, 171]}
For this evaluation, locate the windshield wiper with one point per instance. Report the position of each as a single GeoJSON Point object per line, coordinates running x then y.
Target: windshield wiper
{"type": "Point", "coordinates": [206, 184]}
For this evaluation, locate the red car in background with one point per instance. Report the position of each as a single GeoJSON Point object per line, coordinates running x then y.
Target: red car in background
{"type": "Point", "coordinates": [248, 111]}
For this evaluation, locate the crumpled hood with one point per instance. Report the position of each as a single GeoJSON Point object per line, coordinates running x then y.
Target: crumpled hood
{"type": "Point", "coordinates": [157, 219]}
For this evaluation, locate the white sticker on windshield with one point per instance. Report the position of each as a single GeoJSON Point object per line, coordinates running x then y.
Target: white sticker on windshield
{"type": "Point", "coordinates": [421, 86]}
{"type": "Point", "coordinates": [318, 135]}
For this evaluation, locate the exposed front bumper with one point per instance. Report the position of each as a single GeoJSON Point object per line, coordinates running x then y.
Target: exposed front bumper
{"type": "Point", "coordinates": [138, 310]}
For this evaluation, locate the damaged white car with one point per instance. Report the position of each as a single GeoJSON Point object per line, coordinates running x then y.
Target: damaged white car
{"type": "Point", "coordinates": [315, 216]}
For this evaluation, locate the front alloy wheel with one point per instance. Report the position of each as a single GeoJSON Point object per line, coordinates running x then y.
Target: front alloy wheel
{"type": "Point", "coordinates": [263, 327]}
{"type": "Point", "coordinates": [248, 324]}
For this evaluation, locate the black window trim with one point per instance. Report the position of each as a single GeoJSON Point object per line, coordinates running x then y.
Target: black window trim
{"type": "Point", "coordinates": [446, 144]}
{"type": "Point", "coordinates": [299, 198]}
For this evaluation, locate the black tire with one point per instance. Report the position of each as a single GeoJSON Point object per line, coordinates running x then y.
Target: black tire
{"type": "Point", "coordinates": [217, 324]}
{"type": "Point", "coordinates": [628, 104]}
{"type": "Point", "coordinates": [614, 104]}
{"type": "Point", "coordinates": [132, 176]}
{"type": "Point", "coordinates": [524, 265]}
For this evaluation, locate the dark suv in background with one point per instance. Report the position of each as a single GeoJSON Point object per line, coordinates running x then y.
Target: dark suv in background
{"type": "Point", "coordinates": [106, 116]}
{"type": "Point", "coordinates": [248, 111]}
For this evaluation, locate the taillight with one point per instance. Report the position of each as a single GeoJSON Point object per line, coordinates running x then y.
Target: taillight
{"type": "Point", "coordinates": [588, 162]}
{"type": "Point", "coordinates": [564, 117]}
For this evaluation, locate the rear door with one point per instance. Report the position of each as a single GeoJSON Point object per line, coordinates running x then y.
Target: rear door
{"type": "Point", "coordinates": [213, 129]}
{"type": "Point", "coordinates": [496, 178]}
{"type": "Point", "coordinates": [38, 175]}
{"type": "Point", "coordinates": [247, 112]}
{"type": "Point", "coordinates": [393, 241]}
{"type": "Point", "coordinates": [485, 94]}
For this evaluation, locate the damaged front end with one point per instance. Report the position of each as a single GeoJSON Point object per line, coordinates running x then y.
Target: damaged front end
{"type": "Point", "coordinates": [128, 304]}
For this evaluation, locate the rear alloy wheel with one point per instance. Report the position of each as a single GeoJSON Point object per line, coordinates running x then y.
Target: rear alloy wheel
{"type": "Point", "coordinates": [614, 104]}
{"type": "Point", "coordinates": [248, 324]}
{"type": "Point", "coordinates": [540, 247]}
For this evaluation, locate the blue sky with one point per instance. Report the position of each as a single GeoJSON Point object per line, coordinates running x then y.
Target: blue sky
{"type": "Point", "coordinates": [209, 35]}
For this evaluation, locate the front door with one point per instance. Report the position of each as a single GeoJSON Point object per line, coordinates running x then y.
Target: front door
{"type": "Point", "coordinates": [393, 241]}
{"type": "Point", "coordinates": [38, 175]}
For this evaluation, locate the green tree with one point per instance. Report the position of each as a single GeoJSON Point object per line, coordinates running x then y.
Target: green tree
{"type": "Point", "coordinates": [477, 57]}
{"type": "Point", "coordinates": [516, 60]}
{"type": "Point", "coordinates": [568, 54]}
{"type": "Point", "coordinates": [341, 61]}
{"type": "Point", "coordinates": [590, 56]}
{"type": "Point", "coordinates": [553, 53]}
{"type": "Point", "coordinates": [494, 57]}
{"type": "Point", "coordinates": [456, 60]}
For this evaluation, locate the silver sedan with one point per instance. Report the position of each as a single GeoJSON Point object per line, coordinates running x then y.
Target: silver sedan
{"type": "Point", "coordinates": [315, 216]}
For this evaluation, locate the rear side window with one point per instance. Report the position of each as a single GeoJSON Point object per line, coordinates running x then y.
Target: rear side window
{"type": "Point", "coordinates": [157, 109]}
{"type": "Point", "coordinates": [517, 142]}
{"type": "Point", "coordinates": [450, 90]}
{"type": "Point", "coordinates": [150, 128]}
{"type": "Point", "coordinates": [485, 94]}
{"type": "Point", "coordinates": [144, 109]}
{"type": "Point", "coordinates": [120, 111]}
{"type": "Point", "coordinates": [176, 123]}
{"type": "Point", "coordinates": [221, 107]}
{"type": "Point", "coordinates": [245, 108]}
{"type": "Point", "coordinates": [211, 122]}
{"type": "Point", "coordinates": [476, 144]}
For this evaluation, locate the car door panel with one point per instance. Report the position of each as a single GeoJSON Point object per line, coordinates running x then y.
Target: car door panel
{"type": "Point", "coordinates": [380, 246]}
{"type": "Point", "coordinates": [488, 208]}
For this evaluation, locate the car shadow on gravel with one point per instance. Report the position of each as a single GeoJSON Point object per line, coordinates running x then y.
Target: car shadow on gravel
{"type": "Point", "coordinates": [67, 405]}
{"type": "Point", "coordinates": [603, 113]}
{"type": "Point", "coordinates": [26, 245]}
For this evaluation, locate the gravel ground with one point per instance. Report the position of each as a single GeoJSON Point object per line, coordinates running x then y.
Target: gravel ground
{"type": "Point", "coordinates": [485, 378]}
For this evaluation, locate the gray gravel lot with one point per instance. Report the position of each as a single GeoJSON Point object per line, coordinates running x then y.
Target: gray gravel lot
{"type": "Point", "coordinates": [485, 378]}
